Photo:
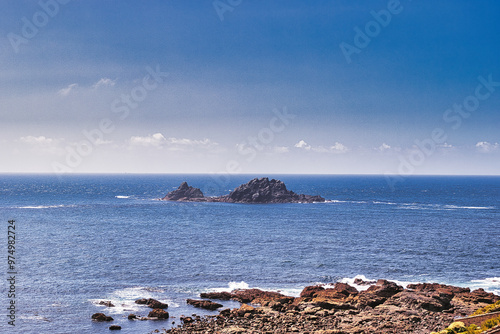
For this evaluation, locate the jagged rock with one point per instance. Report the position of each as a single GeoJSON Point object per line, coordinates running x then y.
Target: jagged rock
{"type": "Point", "coordinates": [205, 304]}
{"type": "Point", "coordinates": [264, 190]}
{"type": "Point", "coordinates": [158, 313]}
{"type": "Point", "coordinates": [106, 303]}
{"type": "Point", "coordinates": [101, 317]}
{"type": "Point", "coordinates": [419, 309]}
{"type": "Point", "coordinates": [184, 193]}
{"type": "Point", "coordinates": [115, 328]}
{"type": "Point", "coordinates": [311, 291]}
{"type": "Point", "coordinates": [384, 289]}
{"type": "Point", "coordinates": [152, 303]}
{"type": "Point", "coordinates": [186, 320]}
{"type": "Point", "coordinates": [131, 316]}
{"type": "Point", "coordinates": [255, 296]}
{"type": "Point", "coordinates": [360, 282]}
{"type": "Point", "coordinates": [217, 295]}
{"type": "Point", "coordinates": [256, 191]}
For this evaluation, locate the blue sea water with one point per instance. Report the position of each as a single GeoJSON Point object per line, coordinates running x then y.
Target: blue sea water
{"type": "Point", "coordinates": [85, 238]}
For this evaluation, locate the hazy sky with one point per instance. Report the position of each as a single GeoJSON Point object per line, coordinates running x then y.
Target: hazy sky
{"type": "Point", "coordinates": [183, 86]}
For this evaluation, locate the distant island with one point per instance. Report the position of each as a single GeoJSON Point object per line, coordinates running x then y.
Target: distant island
{"type": "Point", "coordinates": [256, 191]}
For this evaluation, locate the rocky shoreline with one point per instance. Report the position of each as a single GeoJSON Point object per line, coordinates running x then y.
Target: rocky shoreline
{"type": "Point", "coordinates": [256, 191]}
{"type": "Point", "coordinates": [384, 307]}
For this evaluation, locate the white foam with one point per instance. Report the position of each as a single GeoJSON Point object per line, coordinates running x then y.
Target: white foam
{"type": "Point", "coordinates": [34, 317]}
{"type": "Point", "coordinates": [124, 299]}
{"type": "Point", "coordinates": [350, 281]}
{"type": "Point", "coordinates": [120, 196]}
{"type": "Point", "coordinates": [490, 284]}
{"type": "Point", "coordinates": [469, 207]}
{"type": "Point", "coordinates": [231, 286]}
{"type": "Point", "coordinates": [44, 206]}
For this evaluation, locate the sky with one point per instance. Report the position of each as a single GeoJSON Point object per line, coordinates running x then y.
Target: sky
{"type": "Point", "coordinates": [235, 86]}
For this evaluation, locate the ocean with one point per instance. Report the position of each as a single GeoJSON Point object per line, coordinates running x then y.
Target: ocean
{"type": "Point", "coordinates": [81, 239]}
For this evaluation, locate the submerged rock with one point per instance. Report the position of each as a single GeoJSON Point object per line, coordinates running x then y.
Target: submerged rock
{"type": "Point", "coordinates": [256, 191]}
{"type": "Point", "coordinates": [101, 317]}
{"type": "Point", "coordinates": [150, 302]}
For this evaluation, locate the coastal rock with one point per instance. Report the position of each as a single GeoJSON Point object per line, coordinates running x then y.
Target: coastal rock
{"type": "Point", "coordinates": [217, 295]}
{"type": "Point", "coordinates": [360, 282]}
{"type": "Point", "coordinates": [115, 328]}
{"type": "Point", "coordinates": [158, 313]}
{"type": "Point", "coordinates": [384, 289]}
{"type": "Point", "coordinates": [152, 303]}
{"type": "Point", "coordinates": [256, 191]}
{"type": "Point", "coordinates": [264, 190]}
{"type": "Point", "coordinates": [311, 291]}
{"type": "Point", "coordinates": [184, 193]}
{"type": "Point", "coordinates": [106, 303]}
{"type": "Point", "coordinates": [418, 309]}
{"type": "Point", "coordinates": [205, 304]}
{"type": "Point", "coordinates": [101, 317]}
{"type": "Point", "coordinates": [255, 296]}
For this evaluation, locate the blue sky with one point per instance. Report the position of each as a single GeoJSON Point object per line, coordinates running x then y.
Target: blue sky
{"type": "Point", "coordinates": [234, 69]}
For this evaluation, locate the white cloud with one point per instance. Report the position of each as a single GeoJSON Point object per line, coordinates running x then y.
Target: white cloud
{"type": "Point", "coordinates": [486, 147]}
{"type": "Point", "coordinates": [67, 90]}
{"type": "Point", "coordinates": [155, 140]}
{"type": "Point", "coordinates": [281, 149]}
{"type": "Point", "coordinates": [384, 147]}
{"type": "Point", "coordinates": [335, 148]}
{"type": "Point", "coordinates": [40, 140]}
{"type": "Point", "coordinates": [174, 144]}
{"type": "Point", "coordinates": [338, 148]}
{"type": "Point", "coordinates": [303, 144]}
{"type": "Point", "coordinates": [43, 145]}
{"type": "Point", "coordinates": [104, 82]}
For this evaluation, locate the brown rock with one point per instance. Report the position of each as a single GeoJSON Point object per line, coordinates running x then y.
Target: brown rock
{"type": "Point", "coordinates": [205, 304]}
{"type": "Point", "coordinates": [150, 302]}
{"type": "Point", "coordinates": [101, 317]}
{"type": "Point", "coordinates": [311, 291]}
{"type": "Point", "coordinates": [106, 303]}
{"type": "Point", "coordinates": [217, 295]}
{"type": "Point", "coordinates": [345, 289]}
{"type": "Point", "coordinates": [244, 309]}
{"type": "Point", "coordinates": [115, 328]}
{"type": "Point", "coordinates": [384, 289]}
{"type": "Point", "coordinates": [131, 316]}
{"type": "Point", "coordinates": [429, 287]}
{"type": "Point", "coordinates": [158, 313]}
{"type": "Point", "coordinates": [187, 320]}
{"type": "Point", "coordinates": [153, 303]}
{"type": "Point", "coordinates": [255, 296]}
{"type": "Point", "coordinates": [359, 281]}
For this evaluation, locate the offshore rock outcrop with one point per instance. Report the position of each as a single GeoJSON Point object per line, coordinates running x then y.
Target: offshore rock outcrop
{"type": "Point", "coordinates": [256, 191]}
{"type": "Point", "coordinates": [383, 308]}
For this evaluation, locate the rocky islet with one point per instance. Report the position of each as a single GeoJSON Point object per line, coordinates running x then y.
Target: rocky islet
{"type": "Point", "coordinates": [256, 191]}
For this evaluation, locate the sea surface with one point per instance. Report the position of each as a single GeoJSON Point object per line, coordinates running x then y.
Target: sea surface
{"type": "Point", "coordinates": [81, 239]}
